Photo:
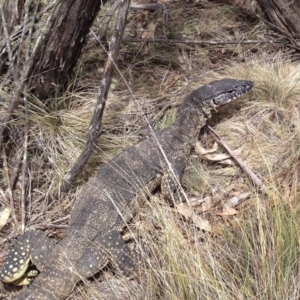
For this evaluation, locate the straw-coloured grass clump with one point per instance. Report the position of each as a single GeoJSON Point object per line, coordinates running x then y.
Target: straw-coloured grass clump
{"type": "Point", "coordinates": [267, 127]}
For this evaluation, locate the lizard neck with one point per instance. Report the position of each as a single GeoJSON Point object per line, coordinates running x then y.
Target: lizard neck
{"type": "Point", "coordinates": [190, 119]}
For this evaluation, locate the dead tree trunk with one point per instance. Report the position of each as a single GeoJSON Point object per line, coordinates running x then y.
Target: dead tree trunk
{"type": "Point", "coordinates": [283, 15]}
{"type": "Point", "coordinates": [59, 52]}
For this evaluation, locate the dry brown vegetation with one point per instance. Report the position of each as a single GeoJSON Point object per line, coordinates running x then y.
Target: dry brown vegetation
{"type": "Point", "coordinates": [252, 254]}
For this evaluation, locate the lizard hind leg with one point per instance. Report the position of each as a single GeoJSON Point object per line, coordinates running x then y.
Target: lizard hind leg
{"type": "Point", "coordinates": [32, 246]}
{"type": "Point", "coordinates": [104, 249]}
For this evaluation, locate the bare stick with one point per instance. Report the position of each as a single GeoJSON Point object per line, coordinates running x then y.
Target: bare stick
{"type": "Point", "coordinates": [49, 225]}
{"type": "Point", "coordinates": [9, 188]}
{"type": "Point", "coordinates": [107, 18]}
{"type": "Point", "coordinates": [197, 42]}
{"type": "Point", "coordinates": [8, 47]}
{"type": "Point", "coordinates": [14, 168]}
{"type": "Point", "coordinates": [24, 169]}
{"type": "Point", "coordinates": [18, 54]}
{"type": "Point", "coordinates": [250, 173]}
{"type": "Point", "coordinates": [95, 127]}
{"type": "Point", "coordinates": [149, 6]}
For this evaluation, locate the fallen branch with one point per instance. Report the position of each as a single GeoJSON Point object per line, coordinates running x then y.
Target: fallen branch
{"type": "Point", "coordinates": [250, 173]}
{"type": "Point", "coordinates": [205, 42]}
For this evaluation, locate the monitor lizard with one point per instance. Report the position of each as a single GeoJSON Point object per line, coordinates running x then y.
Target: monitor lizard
{"type": "Point", "coordinates": [109, 199]}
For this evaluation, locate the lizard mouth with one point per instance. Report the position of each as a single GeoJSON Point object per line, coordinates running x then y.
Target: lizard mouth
{"type": "Point", "coordinates": [233, 93]}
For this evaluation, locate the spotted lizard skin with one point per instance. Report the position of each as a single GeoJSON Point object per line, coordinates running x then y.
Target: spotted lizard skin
{"type": "Point", "coordinates": [109, 199]}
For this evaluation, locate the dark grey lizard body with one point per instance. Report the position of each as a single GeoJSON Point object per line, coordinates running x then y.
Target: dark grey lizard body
{"type": "Point", "coordinates": [108, 198]}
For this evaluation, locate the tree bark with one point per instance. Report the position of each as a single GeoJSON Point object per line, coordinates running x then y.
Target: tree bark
{"type": "Point", "coordinates": [13, 11]}
{"type": "Point", "coordinates": [58, 54]}
{"type": "Point", "coordinates": [284, 16]}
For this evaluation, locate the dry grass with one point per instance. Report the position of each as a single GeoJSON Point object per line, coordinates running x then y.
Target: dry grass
{"type": "Point", "coordinates": [252, 255]}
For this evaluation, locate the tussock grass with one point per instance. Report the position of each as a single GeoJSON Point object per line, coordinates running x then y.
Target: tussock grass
{"type": "Point", "coordinates": [268, 125]}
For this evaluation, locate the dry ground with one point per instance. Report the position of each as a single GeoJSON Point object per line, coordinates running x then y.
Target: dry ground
{"type": "Point", "coordinates": [250, 253]}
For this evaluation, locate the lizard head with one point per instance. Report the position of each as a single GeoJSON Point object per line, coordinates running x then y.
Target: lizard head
{"type": "Point", "coordinates": [220, 92]}
{"type": "Point", "coordinates": [202, 101]}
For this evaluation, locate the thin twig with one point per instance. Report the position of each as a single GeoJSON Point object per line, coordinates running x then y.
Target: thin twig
{"type": "Point", "coordinates": [204, 42]}
{"type": "Point", "coordinates": [24, 168]}
{"type": "Point", "coordinates": [8, 47]}
{"type": "Point", "coordinates": [148, 6]}
{"type": "Point", "coordinates": [165, 18]}
{"type": "Point", "coordinates": [49, 225]}
{"type": "Point", "coordinates": [95, 127]}
{"type": "Point", "coordinates": [9, 188]}
{"type": "Point", "coordinates": [250, 173]}
{"type": "Point", "coordinates": [36, 217]}
{"type": "Point", "coordinates": [14, 168]}
{"type": "Point", "coordinates": [21, 41]}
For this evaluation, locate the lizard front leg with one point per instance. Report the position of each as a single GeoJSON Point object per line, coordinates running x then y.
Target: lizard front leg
{"type": "Point", "coordinates": [104, 249]}
{"type": "Point", "coordinates": [32, 246]}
